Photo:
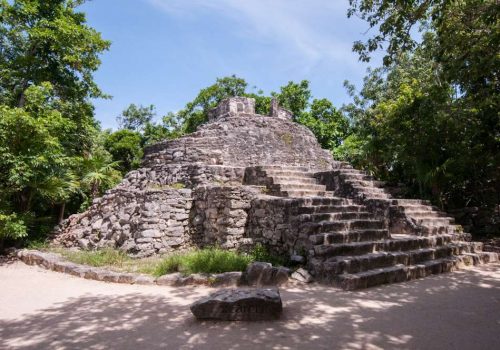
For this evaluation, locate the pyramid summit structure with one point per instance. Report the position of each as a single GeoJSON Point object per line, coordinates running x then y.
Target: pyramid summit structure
{"type": "Point", "coordinates": [245, 178]}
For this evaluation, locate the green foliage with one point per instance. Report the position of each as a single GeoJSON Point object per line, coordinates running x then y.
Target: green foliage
{"type": "Point", "coordinates": [136, 118]}
{"type": "Point", "coordinates": [260, 253]}
{"type": "Point", "coordinates": [34, 162]}
{"type": "Point", "coordinates": [99, 174]}
{"type": "Point", "coordinates": [171, 127]}
{"type": "Point", "coordinates": [11, 226]}
{"type": "Point", "coordinates": [126, 148]}
{"type": "Point", "coordinates": [326, 122]}
{"type": "Point", "coordinates": [47, 41]}
{"type": "Point", "coordinates": [47, 59]}
{"type": "Point", "coordinates": [429, 118]}
{"type": "Point", "coordinates": [294, 97]}
{"type": "Point", "coordinates": [210, 260]}
{"type": "Point", "coordinates": [97, 258]}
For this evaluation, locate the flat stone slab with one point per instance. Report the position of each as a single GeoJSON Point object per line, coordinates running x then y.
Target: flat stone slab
{"type": "Point", "coordinates": [240, 305]}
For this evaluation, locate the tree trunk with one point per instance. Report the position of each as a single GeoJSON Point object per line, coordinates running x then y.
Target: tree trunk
{"type": "Point", "coordinates": [61, 213]}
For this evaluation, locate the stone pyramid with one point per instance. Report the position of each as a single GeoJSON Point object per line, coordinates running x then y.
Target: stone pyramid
{"type": "Point", "coordinates": [245, 178]}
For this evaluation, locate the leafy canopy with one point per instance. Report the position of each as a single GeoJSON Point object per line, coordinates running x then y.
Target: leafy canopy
{"type": "Point", "coordinates": [47, 129]}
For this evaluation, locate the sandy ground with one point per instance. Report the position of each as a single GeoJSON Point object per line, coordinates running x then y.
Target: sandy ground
{"type": "Point", "coordinates": [41, 309]}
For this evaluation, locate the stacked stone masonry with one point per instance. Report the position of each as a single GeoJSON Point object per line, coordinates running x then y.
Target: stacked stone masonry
{"type": "Point", "coordinates": [244, 178]}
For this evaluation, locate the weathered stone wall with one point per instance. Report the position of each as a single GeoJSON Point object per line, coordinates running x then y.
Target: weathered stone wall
{"type": "Point", "coordinates": [220, 215]}
{"type": "Point", "coordinates": [231, 107]}
{"type": "Point", "coordinates": [188, 175]}
{"type": "Point", "coordinates": [272, 222]}
{"type": "Point", "coordinates": [141, 223]}
{"type": "Point", "coordinates": [278, 112]}
{"type": "Point", "coordinates": [239, 217]}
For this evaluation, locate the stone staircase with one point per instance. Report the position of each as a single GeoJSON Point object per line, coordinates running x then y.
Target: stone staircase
{"type": "Point", "coordinates": [286, 181]}
{"type": "Point", "coordinates": [350, 244]}
{"type": "Point", "coordinates": [428, 219]}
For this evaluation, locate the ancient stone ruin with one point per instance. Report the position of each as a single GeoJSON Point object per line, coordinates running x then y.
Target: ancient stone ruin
{"type": "Point", "coordinates": [245, 178]}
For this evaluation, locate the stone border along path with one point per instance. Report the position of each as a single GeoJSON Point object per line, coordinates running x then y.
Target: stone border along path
{"type": "Point", "coordinates": [56, 262]}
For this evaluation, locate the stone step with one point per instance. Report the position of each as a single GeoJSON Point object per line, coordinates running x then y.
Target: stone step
{"type": "Point", "coordinates": [370, 190]}
{"type": "Point", "coordinates": [294, 179]}
{"type": "Point", "coordinates": [410, 202]}
{"type": "Point", "coordinates": [283, 168]}
{"type": "Point", "coordinates": [310, 228]}
{"type": "Point", "coordinates": [329, 216]}
{"type": "Point", "coordinates": [393, 274]}
{"type": "Point", "coordinates": [434, 221]}
{"type": "Point", "coordinates": [289, 173]}
{"type": "Point", "coordinates": [349, 236]}
{"type": "Point", "coordinates": [302, 193]}
{"type": "Point", "coordinates": [342, 165]}
{"type": "Point", "coordinates": [366, 262]}
{"type": "Point", "coordinates": [424, 213]}
{"type": "Point", "coordinates": [395, 243]}
{"type": "Point", "coordinates": [351, 171]}
{"type": "Point", "coordinates": [347, 176]}
{"type": "Point", "coordinates": [401, 273]}
{"type": "Point", "coordinates": [281, 187]}
{"type": "Point", "coordinates": [476, 258]}
{"type": "Point", "coordinates": [430, 230]}
{"type": "Point", "coordinates": [339, 208]}
{"type": "Point", "coordinates": [413, 207]}
{"type": "Point", "coordinates": [369, 196]}
{"type": "Point", "coordinates": [323, 201]}
{"type": "Point", "coordinates": [366, 183]}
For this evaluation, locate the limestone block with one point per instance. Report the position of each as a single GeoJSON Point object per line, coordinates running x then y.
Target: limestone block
{"type": "Point", "coordinates": [302, 275]}
{"type": "Point", "coordinates": [264, 274]}
{"type": "Point", "coordinates": [240, 305]}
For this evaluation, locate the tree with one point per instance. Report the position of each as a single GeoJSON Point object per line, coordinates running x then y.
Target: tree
{"type": "Point", "coordinates": [34, 168]}
{"type": "Point", "coordinates": [415, 130]}
{"type": "Point", "coordinates": [47, 41]}
{"type": "Point", "coordinates": [47, 59]}
{"type": "Point", "coordinates": [171, 127]}
{"type": "Point", "coordinates": [429, 118]}
{"type": "Point", "coordinates": [136, 118]}
{"type": "Point", "coordinates": [196, 112]}
{"type": "Point", "coordinates": [126, 148]}
{"type": "Point", "coordinates": [99, 174]}
{"type": "Point", "coordinates": [294, 97]}
{"type": "Point", "coordinates": [327, 123]}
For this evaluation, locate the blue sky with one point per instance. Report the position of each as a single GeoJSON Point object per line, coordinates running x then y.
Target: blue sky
{"type": "Point", "coordinates": [164, 51]}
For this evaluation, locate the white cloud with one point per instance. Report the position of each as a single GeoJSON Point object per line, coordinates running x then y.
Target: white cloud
{"type": "Point", "coordinates": [303, 30]}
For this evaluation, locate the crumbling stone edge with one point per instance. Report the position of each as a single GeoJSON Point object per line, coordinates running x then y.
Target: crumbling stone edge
{"type": "Point", "coordinates": [55, 262]}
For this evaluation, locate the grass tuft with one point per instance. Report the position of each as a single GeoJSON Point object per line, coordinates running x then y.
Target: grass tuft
{"type": "Point", "coordinates": [210, 260]}
{"type": "Point", "coordinates": [97, 258]}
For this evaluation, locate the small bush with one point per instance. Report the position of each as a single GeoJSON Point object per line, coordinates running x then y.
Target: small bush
{"type": "Point", "coordinates": [211, 260]}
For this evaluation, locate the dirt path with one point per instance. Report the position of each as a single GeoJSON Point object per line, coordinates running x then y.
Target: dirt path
{"type": "Point", "coordinates": [40, 309]}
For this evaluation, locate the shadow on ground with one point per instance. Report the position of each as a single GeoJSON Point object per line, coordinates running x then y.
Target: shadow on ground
{"type": "Point", "coordinates": [453, 311]}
